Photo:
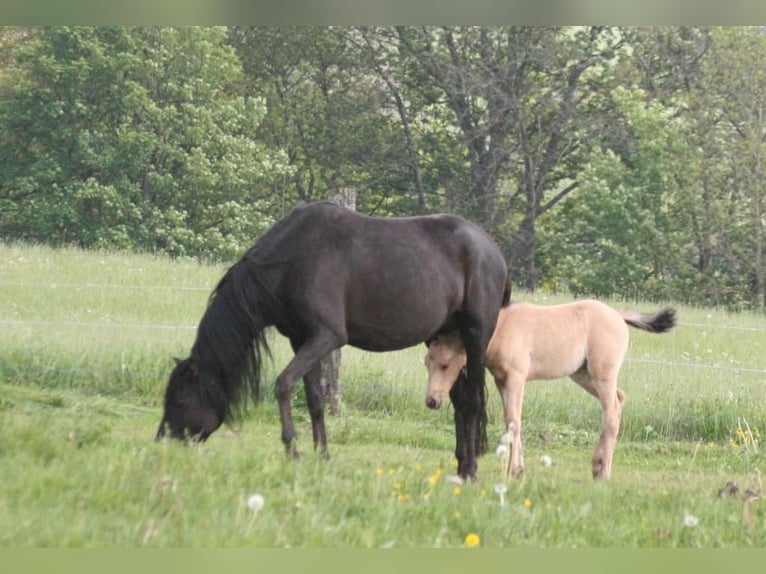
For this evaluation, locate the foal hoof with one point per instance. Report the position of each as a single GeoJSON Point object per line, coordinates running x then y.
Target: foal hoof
{"type": "Point", "coordinates": [455, 479]}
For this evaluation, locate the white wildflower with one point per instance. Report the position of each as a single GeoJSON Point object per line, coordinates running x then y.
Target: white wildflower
{"type": "Point", "coordinates": [546, 460]}
{"type": "Point", "coordinates": [502, 451]}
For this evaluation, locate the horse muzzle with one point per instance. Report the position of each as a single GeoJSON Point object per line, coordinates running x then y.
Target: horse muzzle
{"type": "Point", "coordinates": [433, 403]}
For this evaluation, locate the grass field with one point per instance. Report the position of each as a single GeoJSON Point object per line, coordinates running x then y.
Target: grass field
{"type": "Point", "coordinates": [86, 345]}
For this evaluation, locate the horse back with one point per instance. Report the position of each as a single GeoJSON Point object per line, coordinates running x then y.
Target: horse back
{"type": "Point", "coordinates": [549, 342]}
{"type": "Point", "coordinates": [387, 283]}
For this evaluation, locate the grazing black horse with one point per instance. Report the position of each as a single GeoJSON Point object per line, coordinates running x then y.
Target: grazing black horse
{"type": "Point", "coordinates": [326, 276]}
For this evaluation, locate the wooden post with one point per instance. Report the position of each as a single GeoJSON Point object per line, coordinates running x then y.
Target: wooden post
{"type": "Point", "coordinates": [345, 196]}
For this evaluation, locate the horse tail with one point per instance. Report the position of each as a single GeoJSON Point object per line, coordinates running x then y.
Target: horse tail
{"type": "Point", "coordinates": [660, 322]}
{"type": "Point", "coordinates": [457, 397]}
{"type": "Point", "coordinates": [482, 444]}
{"type": "Point", "coordinates": [506, 294]}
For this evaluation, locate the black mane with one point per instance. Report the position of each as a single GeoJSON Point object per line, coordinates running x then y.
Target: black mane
{"type": "Point", "coordinates": [231, 341]}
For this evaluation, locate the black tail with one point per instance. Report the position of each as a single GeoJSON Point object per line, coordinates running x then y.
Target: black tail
{"type": "Point", "coordinates": [659, 322]}
{"type": "Point", "coordinates": [457, 393]}
{"type": "Point", "coordinates": [506, 294]}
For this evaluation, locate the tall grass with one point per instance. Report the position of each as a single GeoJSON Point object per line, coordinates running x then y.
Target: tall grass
{"type": "Point", "coordinates": [86, 345]}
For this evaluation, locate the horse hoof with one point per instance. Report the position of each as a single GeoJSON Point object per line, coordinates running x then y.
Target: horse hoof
{"type": "Point", "coordinates": [455, 479]}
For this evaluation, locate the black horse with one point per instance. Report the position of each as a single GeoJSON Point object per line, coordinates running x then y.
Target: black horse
{"type": "Point", "coordinates": [326, 276]}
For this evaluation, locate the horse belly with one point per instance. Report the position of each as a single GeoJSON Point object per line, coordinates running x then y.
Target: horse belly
{"type": "Point", "coordinates": [556, 358]}
{"type": "Point", "coordinates": [393, 327]}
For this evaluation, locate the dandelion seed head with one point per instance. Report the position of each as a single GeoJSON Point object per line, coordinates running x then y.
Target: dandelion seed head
{"type": "Point", "coordinates": [690, 520]}
{"type": "Point", "coordinates": [546, 460]}
{"type": "Point", "coordinates": [502, 450]}
{"type": "Point", "coordinates": [256, 502]}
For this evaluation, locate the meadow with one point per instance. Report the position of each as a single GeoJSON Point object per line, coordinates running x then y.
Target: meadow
{"type": "Point", "coordinates": [86, 346]}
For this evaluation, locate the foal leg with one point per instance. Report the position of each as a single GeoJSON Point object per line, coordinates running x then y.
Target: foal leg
{"type": "Point", "coordinates": [307, 358]}
{"type": "Point", "coordinates": [512, 392]}
{"type": "Point", "coordinates": [604, 388]}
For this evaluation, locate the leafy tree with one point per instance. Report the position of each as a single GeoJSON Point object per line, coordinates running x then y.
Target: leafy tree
{"type": "Point", "coordinates": [133, 138]}
{"type": "Point", "coordinates": [620, 234]}
{"type": "Point", "coordinates": [331, 112]}
{"type": "Point", "coordinates": [519, 97]}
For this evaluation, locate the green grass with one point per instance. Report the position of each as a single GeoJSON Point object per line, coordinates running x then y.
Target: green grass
{"type": "Point", "coordinates": [86, 341]}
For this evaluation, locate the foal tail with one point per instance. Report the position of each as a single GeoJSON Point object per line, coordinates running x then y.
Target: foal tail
{"type": "Point", "coordinates": [659, 322]}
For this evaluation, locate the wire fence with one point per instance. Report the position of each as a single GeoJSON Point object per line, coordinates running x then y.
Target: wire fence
{"type": "Point", "coordinates": [74, 324]}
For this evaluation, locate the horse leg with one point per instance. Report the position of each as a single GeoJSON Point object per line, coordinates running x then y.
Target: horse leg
{"type": "Point", "coordinates": [604, 388]}
{"type": "Point", "coordinates": [512, 392]}
{"type": "Point", "coordinates": [315, 398]}
{"type": "Point", "coordinates": [307, 358]}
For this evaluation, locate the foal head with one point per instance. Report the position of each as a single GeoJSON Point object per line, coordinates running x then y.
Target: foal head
{"type": "Point", "coordinates": [189, 413]}
{"type": "Point", "coordinates": [444, 360]}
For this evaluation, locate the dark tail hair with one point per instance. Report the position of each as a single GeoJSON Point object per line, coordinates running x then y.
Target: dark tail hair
{"type": "Point", "coordinates": [457, 397]}
{"type": "Point", "coordinates": [659, 322]}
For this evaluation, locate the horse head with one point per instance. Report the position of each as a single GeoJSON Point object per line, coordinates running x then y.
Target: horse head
{"type": "Point", "coordinates": [188, 413]}
{"type": "Point", "coordinates": [444, 360]}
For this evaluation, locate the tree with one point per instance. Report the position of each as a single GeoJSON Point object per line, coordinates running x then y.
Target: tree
{"type": "Point", "coordinates": [520, 98]}
{"type": "Point", "coordinates": [332, 114]}
{"type": "Point", "coordinates": [133, 138]}
{"type": "Point", "coordinates": [621, 234]}
{"type": "Point", "coordinates": [737, 88]}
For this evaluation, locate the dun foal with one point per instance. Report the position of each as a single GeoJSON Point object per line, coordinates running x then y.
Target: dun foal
{"type": "Point", "coordinates": [585, 340]}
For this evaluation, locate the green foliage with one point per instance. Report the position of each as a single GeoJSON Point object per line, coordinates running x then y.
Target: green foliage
{"type": "Point", "coordinates": [133, 138]}
{"type": "Point", "coordinates": [615, 234]}
{"type": "Point", "coordinates": [603, 160]}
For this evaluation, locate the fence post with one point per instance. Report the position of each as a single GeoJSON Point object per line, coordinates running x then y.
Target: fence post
{"type": "Point", "coordinates": [345, 196]}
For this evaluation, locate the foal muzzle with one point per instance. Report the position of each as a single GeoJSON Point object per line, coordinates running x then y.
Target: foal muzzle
{"type": "Point", "coordinates": [433, 403]}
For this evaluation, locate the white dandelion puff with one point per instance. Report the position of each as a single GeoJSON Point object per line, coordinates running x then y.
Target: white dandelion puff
{"type": "Point", "coordinates": [546, 460]}
{"type": "Point", "coordinates": [690, 520]}
{"type": "Point", "coordinates": [256, 502]}
{"type": "Point", "coordinates": [502, 451]}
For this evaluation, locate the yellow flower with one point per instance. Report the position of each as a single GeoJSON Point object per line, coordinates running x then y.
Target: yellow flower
{"type": "Point", "coordinates": [379, 471]}
{"type": "Point", "coordinates": [472, 540]}
{"type": "Point", "coordinates": [457, 490]}
{"type": "Point", "coordinates": [434, 478]}
{"type": "Point", "coordinates": [527, 503]}
{"type": "Point", "coordinates": [403, 497]}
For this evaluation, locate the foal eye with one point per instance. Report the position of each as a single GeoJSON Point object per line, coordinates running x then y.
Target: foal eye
{"type": "Point", "coordinates": [443, 367]}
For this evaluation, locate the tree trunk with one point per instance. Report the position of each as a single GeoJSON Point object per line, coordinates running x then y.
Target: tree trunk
{"type": "Point", "coordinates": [345, 196]}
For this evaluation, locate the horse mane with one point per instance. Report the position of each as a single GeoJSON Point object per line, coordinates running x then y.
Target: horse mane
{"type": "Point", "coordinates": [231, 339]}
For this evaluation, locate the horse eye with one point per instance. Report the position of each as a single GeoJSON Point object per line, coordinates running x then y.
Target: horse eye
{"type": "Point", "coordinates": [443, 367]}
